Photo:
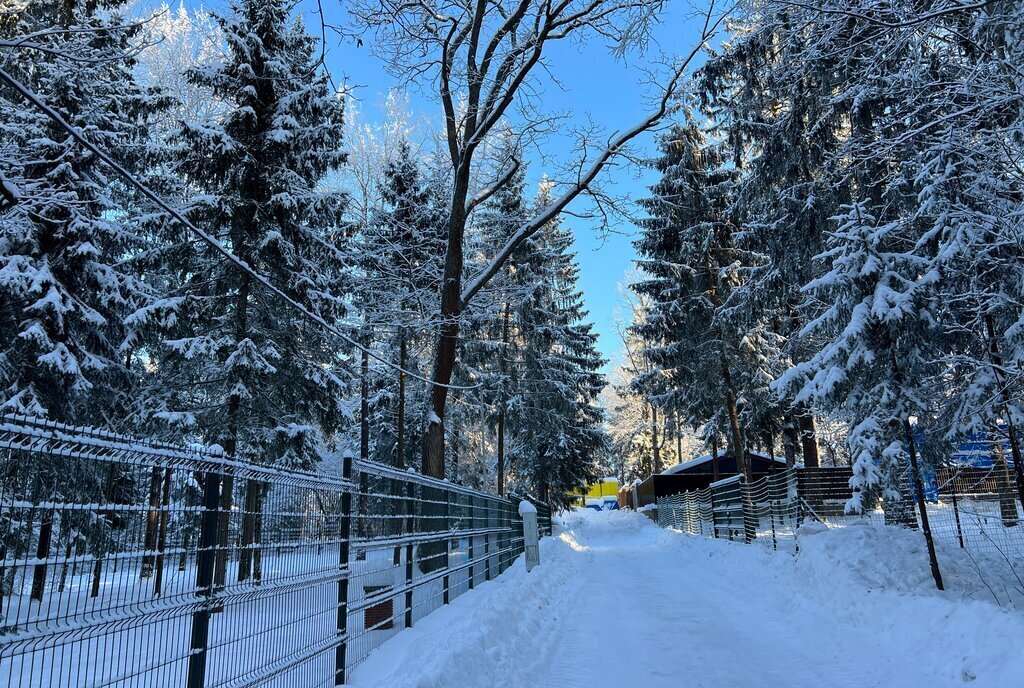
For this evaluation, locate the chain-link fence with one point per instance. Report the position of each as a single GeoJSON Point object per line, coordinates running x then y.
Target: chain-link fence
{"type": "Point", "coordinates": [125, 562]}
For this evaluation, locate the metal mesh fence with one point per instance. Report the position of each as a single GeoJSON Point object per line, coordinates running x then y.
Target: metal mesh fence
{"type": "Point", "coordinates": [126, 562]}
{"type": "Point", "coordinates": [968, 508]}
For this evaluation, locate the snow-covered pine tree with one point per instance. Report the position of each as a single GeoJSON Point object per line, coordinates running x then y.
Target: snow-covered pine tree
{"type": "Point", "coordinates": [238, 367]}
{"type": "Point", "coordinates": [556, 423]}
{"type": "Point", "coordinates": [770, 89]}
{"type": "Point", "coordinates": [67, 233]}
{"type": "Point", "coordinates": [64, 285]}
{"type": "Point", "coordinates": [688, 250]}
{"type": "Point", "coordinates": [875, 366]}
{"type": "Point", "coordinates": [969, 201]}
{"type": "Point", "coordinates": [492, 345]}
{"type": "Point", "coordinates": [401, 252]}
{"type": "Point", "coordinates": [921, 159]}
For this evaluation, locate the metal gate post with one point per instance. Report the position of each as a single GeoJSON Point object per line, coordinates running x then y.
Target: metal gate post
{"type": "Point", "coordinates": [714, 522]}
{"type": "Point", "coordinates": [205, 559]}
{"type": "Point", "coordinates": [345, 532]}
{"type": "Point", "coordinates": [410, 527]}
{"type": "Point", "coordinates": [472, 527]}
{"type": "Point", "coordinates": [447, 544]}
{"type": "Point", "coordinates": [487, 543]}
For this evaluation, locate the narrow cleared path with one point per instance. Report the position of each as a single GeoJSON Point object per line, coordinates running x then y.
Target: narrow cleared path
{"type": "Point", "coordinates": [620, 602]}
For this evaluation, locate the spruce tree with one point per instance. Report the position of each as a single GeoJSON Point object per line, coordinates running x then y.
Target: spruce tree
{"type": "Point", "coordinates": [769, 90]}
{"type": "Point", "coordinates": [65, 286]}
{"type": "Point", "coordinates": [237, 366]}
{"type": "Point", "coordinates": [688, 249]}
{"type": "Point", "coordinates": [401, 253]}
{"type": "Point", "coordinates": [556, 420]}
{"type": "Point", "coordinates": [68, 233]}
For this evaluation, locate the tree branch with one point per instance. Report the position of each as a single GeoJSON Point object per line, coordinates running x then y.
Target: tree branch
{"type": "Point", "coordinates": [176, 215]}
{"type": "Point", "coordinates": [491, 189]}
{"type": "Point", "coordinates": [587, 177]}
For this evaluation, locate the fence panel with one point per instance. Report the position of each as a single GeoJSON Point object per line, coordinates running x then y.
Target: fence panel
{"type": "Point", "coordinates": [729, 509]}
{"type": "Point", "coordinates": [129, 562]}
{"type": "Point", "coordinates": [773, 510]}
{"type": "Point", "coordinates": [969, 509]}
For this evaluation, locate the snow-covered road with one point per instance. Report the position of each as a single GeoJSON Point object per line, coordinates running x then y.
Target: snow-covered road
{"type": "Point", "coordinates": [620, 602]}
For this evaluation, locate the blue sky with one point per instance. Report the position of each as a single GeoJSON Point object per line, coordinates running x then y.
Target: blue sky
{"type": "Point", "coordinates": [594, 87]}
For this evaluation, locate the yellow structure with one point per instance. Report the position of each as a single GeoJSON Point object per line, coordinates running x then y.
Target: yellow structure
{"type": "Point", "coordinates": [600, 495]}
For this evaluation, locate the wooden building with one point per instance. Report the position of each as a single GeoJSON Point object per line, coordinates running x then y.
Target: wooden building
{"type": "Point", "coordinates": [699, 473]}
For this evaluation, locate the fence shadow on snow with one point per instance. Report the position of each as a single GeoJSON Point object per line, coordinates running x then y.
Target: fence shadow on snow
{"type": "Point", "coordinates": [126, 562]}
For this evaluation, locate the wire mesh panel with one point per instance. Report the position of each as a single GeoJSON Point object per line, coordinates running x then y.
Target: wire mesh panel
{"type": "Point", "coordinates": [974, 509]}
{"type": "Point", "coordinates": [729, 509]}
{"type": "Point", "coordinates": [140, 563]}
{"type": "Point", "coordinates": [125, 562]}
{"type": "Point", "coordinates": [420, 542]}
{"type": "Point", "coordinates": [773, 510]}
{"type": "Point", "coordinates": [668, 511]}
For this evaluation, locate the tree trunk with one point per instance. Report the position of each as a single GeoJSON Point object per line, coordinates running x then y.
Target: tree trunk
{"type": "Point", "coordinates": [97, 567]}
{"type": "Point", "coordinates": [451, 309]}
{"type": "Point", "coordinates": [790, 438]}
{"type": "Point", "coordinates": [808, 436]}
{"type": "Point", "coordinates": [42, 552]}
{"type": "Point", "coordinates": [250, 516]}
{"type": "Point", "coordinates": [738, 446]}
{"type": "Point", "coordinates": [655, 448]}
{"type": "Point", "coordinates": [152, 525]}
{"type": "Point", "coordinates": [501, 452]}
{"type": "Point", "coordinates": [161, 543]}
{"type": "Point", "coordinates": [503, 367]}
{"type": "Point", "coordinates": [679, 440]}
{"type": "Point", "coordinates": [402, 358]}
{"type": "Point", "coordinates": [69, 542]}
{"type": "Point", "coordinates": [1004, 485]}
{"type": "Point", "coordinates": [919, 491]}
{"type": "Point", "coordinates": [997, 365]}
{"type": "Point", "coordinates": [457, 449]}
{"type": "Point", "coordinates": [220, 571]}
{"type": "Point", "coordinates": [231, 441]}
{"type": "Point", "coordinates": [714, 457]}
{"type": "Point", "coordinates": [364, 406]}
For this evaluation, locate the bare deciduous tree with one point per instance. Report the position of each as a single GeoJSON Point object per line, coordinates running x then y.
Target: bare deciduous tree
{"type": "Point", "coordinates": [483, 57]}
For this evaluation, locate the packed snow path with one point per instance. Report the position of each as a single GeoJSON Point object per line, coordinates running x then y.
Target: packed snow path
{"type": "Point", "coordinates": [619, 602]}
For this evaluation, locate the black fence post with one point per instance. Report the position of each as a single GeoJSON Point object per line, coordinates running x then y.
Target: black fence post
{"type": "Point", "coordinates": [472, 527]}
{"type": "Point", "coordinates": [410, 527]}
{"type": "Point", "coordinates": [714, 522]}
{"type": "Point", "coordinates": [447, 543]}
{"type": "Point", "coordinates": [205, 560]}
{"type": "Point", "coordinates": [345, 532]}
{"type": "Point", "coordinates": [487, 543]}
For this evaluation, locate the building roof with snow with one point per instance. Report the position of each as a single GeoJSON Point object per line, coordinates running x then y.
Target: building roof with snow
{"type": "Point", "coordinates": [699, 473]}
{"type": "Point", "coordinates": [696, 465]}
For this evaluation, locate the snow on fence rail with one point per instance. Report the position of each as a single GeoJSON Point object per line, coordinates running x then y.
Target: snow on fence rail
{"type": "Point", "coordinates": [130, 562]}
{"type": "Point", "coordinates": [970, 510]}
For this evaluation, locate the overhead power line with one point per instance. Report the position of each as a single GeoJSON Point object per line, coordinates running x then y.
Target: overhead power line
{"type": "Point", "coordinates": [237, 262]}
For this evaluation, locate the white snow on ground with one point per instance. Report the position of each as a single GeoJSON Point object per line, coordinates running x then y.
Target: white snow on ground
{"type": "Point", "coordinates": [617, 601]}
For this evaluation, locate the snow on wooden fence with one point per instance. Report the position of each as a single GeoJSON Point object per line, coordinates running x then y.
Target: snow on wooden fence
{"type": "Point", "coordinates": [130, 562]}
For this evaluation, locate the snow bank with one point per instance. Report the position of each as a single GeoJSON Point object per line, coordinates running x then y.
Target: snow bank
{"type": "Point", "coordinates": [869, 589]}
{"type": "Point", "coordinates": [877, 557]}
